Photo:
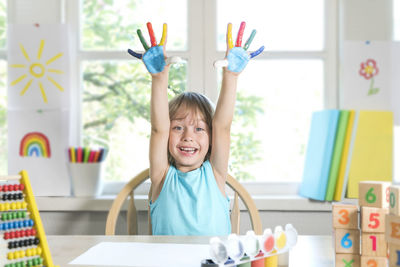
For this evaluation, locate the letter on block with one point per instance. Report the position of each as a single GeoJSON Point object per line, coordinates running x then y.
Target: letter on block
{"type": "Point", "coordinates": [394, 255]}
{"type": "Point", "coordinates": [394, 200]}
{"type": "Point", "coordinates": [373, 219]}
{"type": "Point", "coordinates": [347, 260]}
{"type": "Point", "coordinates": [392, 231]}
{"type": "Point", "coordinates": [373, 194]}
{"type": "Point", "coordinates": [345, 216]}
{"type": "Point", "coordinates": [368, 261]}
{"type": "Point", "coordinates": [347, 241]}
{"type": "Point", "coordinates": [373, 244]}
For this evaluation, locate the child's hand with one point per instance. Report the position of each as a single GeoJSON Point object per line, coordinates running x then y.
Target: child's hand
{"type": "Point", "coordinates": [154, 58]}
{"type": "Point", "coordinates": [237, 57]}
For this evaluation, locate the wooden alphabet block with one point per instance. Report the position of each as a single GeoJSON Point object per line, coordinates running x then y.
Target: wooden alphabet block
{"type": "Point", "coordinates": [347, 241]}
{"type": "Point", "coordinates": [373, 219]}
{"type": "Point", "coordinates": [394, 255]}
{"type": "Point", "coordinates": [392, 232]}
{"type": "Point", "coordinates": [373, 244]}
{"type": "Point", "coordinates": [368, 261]}
{"type": "Point", "coordinates": [394, 200]}
{"type": "Point", "coordinates": [373, 194]}
{"type": "Point", "coordinates": [345, 216]}
{"type": "Point", "coordinates": [347, 260]}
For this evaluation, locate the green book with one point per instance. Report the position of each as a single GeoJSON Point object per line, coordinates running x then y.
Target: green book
{"type": "Point", "coordinates": [337, 154]}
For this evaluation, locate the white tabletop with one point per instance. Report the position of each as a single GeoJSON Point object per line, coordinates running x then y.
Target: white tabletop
{"type": "Point", "coordinates": [310, 251]}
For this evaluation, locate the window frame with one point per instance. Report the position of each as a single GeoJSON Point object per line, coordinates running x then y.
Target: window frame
{"type": "Point", "coordinates": [202, 77]}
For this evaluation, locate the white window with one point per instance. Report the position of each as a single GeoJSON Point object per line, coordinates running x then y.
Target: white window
{"type": "Point", "coordinates": [396, 20]}
{"type": "Point", "coordinates": [277, 92]}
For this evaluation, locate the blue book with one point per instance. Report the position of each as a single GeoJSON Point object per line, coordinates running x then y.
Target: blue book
{"type": "Point", "coordinates": [319, 153]}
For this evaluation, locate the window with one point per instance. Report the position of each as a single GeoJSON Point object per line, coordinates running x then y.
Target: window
{"type": "Point", "coordinates": [3, 89]}
{"type": "Point", "coordinates": [396, 20]}
{"type": "Point", "coordinates": [116, 91]}
{"type": "Point", "coordinates": [279, 89]}
{"type": "Point", "coordinates": [276, 95]}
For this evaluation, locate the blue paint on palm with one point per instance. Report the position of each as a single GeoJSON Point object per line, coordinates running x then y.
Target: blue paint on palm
{"type": "Point", "coordinates": [154, 59]}
{"type": "Point", "coordinates": [237, 59]}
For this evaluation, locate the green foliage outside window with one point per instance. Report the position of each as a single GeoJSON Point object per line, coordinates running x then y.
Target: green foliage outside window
{"type": "Point", "coordinates": [120, 91]}
{"type": "Point", "coordinates": [3, 23]}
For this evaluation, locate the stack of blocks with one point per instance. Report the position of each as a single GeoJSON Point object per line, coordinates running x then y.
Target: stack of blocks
{"type": "Point", "coordinates": [374, 203]}
{"type": "Point", "coordinates": [392, 233]}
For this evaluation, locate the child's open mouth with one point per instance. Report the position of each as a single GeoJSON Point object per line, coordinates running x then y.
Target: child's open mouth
{"type": "Point", "coordinates": [188, 150]}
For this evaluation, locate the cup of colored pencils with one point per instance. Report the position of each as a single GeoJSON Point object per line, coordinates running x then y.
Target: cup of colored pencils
{"type": "Point", "coordinates": [86, 170]}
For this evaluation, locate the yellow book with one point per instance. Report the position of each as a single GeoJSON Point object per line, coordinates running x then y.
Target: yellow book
{"type": "Point", "coordinates": [339, 192]}
{"type": "Point", "coordinates": [372, 155]}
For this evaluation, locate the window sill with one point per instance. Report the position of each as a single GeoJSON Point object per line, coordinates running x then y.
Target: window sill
{"type": "Point", "coordinates": [103, 203]}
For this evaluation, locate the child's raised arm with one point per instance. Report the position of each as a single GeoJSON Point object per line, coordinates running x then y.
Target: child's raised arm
{"type": "Point", "coordinates": [155, 60]}
{"type": "Point", "coordinates": [236, 60]}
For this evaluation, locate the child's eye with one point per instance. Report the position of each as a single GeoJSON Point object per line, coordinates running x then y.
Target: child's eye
{"type": "Point", "coordinates": [199, 129]}
{"type": "Point", "coordinates": [177, 128]}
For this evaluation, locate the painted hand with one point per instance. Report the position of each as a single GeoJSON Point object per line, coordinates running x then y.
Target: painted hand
{"type": "Point", "coordinates": [237, 56]}
{"type": "Point", "coordinates": [154, 58]}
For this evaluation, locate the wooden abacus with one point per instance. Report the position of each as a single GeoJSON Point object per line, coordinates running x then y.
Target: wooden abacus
{"type": "Point", "coordinates": [22, 237]}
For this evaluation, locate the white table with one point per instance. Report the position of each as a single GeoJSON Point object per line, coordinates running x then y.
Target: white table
{"type": "Point", "coordinates": [310, 251]}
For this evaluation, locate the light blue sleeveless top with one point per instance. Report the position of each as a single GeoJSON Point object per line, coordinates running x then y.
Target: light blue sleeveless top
{"type": "Point", "coordinates": [190, 204]}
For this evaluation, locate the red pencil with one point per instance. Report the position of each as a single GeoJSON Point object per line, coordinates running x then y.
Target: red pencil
{"type": "Point", "coordinates": [80, 152]}
{"type": "Point", "coordinates": [91, 155]}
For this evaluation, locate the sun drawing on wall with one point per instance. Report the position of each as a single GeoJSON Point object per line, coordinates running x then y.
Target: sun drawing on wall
{"type": "Point", "coordinates": [36, 70]}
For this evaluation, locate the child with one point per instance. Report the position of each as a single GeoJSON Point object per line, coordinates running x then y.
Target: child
{"type": "Point", "coordinates": [189, 146]}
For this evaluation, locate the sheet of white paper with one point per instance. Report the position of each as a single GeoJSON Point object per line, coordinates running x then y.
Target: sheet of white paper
{"type": "Point", "coordinates": [48, 174]}
{"type": "Point", "coordinates": [355, 87]}
{"type": "Point", "coordinates": [38, 66]}
{"type": "Point", "coordinates": [144, 255]}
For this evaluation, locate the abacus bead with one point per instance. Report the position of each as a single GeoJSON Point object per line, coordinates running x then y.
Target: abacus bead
{"type": "Point", "coordinates": [19, 205]}
{"type": "Point", "coordinates": [33, 231]}
{"type": "Point", "coordinates": [7, 206]}
{"type": "Point", "coordinates": [14, 206]}
{"type": "Point", "coordinates": [29, 253]}
{"type": "Point", "coordinates": [36, 241]}
{"type": "Point", "coordinates": [39, 250]}
{"type": "Point", "coordinates": [10, 187]}
{"type": "Point", "coordinates": [40, 260]}
{"type": "Point", "coordinates": [15, 187]}
{"type": "Point", "coordinates": [10, 256]}
{"type": "Point", "coordinates": [24, 205]}
{"type": "Point", "coordinates": [21, 187]}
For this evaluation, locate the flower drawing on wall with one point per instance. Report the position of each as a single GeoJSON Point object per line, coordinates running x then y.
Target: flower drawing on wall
{"type": "Point", "coordinates": [369, 70]}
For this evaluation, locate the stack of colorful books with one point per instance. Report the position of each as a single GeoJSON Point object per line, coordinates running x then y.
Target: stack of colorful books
{"type": "Point", "coordinates": [344, 148]}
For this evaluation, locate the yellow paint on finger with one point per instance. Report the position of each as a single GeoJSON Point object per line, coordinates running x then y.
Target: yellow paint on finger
{"type": "Point", "coordinates": [164, 34]}
{"type": "Point", "coordinates": [229, 36]}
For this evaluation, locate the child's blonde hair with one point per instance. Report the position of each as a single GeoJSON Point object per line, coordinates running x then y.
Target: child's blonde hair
{"type": "Point", "coordinates": [193, 102]}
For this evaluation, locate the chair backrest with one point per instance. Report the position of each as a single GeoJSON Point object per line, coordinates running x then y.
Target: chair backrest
{"type": "Point", "coordinates": [127, 192]}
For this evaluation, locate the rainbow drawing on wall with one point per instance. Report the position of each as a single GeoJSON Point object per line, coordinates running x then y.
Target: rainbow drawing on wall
{"type": "Point", "coordinates": [35, 144]}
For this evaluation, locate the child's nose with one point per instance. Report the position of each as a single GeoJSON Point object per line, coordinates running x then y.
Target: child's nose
{"type": "Point", "coordinates": [187, 136]}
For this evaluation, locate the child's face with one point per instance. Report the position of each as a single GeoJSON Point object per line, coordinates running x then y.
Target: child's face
{"type": "Point", "coordinates": [189, 139]}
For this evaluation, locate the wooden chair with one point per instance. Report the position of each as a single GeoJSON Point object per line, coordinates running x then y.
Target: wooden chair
{"type": "Point", "coordinates": [128, 192]}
